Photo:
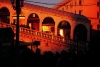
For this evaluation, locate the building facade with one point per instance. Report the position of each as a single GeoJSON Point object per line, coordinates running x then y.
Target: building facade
{"type": "Point", "coordinates": [88, 8]}
{"type": "Point", "coordinates": [53, 28]}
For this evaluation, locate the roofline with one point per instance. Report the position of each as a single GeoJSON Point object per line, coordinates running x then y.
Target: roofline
{"type": "Point", "coordinates": [52, 11]}
{"type": "Point", "coordinates": [61, 4]}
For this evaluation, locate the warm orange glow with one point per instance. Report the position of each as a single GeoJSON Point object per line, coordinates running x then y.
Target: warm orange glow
{"type": "Point", "coordinates": [61, 32]}
{"type": "Point", "coordinates": [33, 15]}
{"type": "Point", "coordinates": [30, 25]}
{"type": "Point", "coordinates": [90, 11]}
{"type": "Point", "coordinates": [49, 41]}
{"type": "Point", "coordinates": [46, 28]}
{"type": "Point", "coordinates": [22, 21]}
{"type": "Point", "coordinates": [21, 17]}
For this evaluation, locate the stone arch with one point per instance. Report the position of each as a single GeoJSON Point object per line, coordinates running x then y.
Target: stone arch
{"type": "Point", "coordinates": [80, 33]}
{"type": "Point", "coordinates": [48, 25]}
{"type": "Point", "coordinates": [33, 21]}
{"type": "Point", "coordinates": [64, 29]}
{"type": "Point", "coordinates": [5, 15]}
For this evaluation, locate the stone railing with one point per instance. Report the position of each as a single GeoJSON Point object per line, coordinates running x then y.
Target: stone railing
{"type": "Point", "coordinates": [30, 33]}
{"type": "Point", "coordinates": [78, 44]}
{"type": "Point", "coordinates": [33, 32]}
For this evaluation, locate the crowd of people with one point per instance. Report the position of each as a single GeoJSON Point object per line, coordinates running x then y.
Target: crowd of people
{"type": "Point", "coordinates": [29, 58]}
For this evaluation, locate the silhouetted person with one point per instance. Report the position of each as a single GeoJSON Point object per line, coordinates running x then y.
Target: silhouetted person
{"type": "Point", "coordinates": [64, 61]}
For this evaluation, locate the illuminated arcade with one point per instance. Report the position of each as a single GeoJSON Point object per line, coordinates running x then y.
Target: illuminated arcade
{"type": "Point", "coordinates": [54, 29]}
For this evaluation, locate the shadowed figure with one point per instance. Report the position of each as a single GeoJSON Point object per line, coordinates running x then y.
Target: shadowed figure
{"type": "Point", "coordinates": [64, 61]}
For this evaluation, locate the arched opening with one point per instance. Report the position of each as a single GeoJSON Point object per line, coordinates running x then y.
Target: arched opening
{"type": "Point", "coordinates": [33, 21]}
{"type": "Point", "coordinates": [4, 15]}
{"type": "Point", "coordinates": [48, 25]}
{"type": "Point", "coordinates": [80, 33]}
{"type": "Point", "coordinates": [64, 29]}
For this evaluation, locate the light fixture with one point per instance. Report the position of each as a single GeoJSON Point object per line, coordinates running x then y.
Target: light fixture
{"type": "Point", "coordinates": [13, 2]}
{"type": "Point", "coordinates": [33, 15]}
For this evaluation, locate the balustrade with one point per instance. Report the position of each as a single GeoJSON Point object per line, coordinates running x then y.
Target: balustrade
{"type": "Point", "coordinates": [50, 36]}
{"type": "Point", "coordinates": [33, 32]}
{"type": "Point", "coordinates": [39, 33]}
{"type": "Point", "coordinates": [59, 39]}
{"type": "Point", "coordinates": [21, 30]}
{"type": "Point", "coordinates": [79, 44]}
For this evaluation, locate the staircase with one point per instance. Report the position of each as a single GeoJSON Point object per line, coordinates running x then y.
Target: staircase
{"type": "Point", "coordinates": [32, 35]}
{"type": "Point", "coordinates": [29, 35]}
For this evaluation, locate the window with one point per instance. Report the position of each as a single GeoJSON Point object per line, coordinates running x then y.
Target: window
{"type": "Point", "coordinates": [80, 2]}
{"type": "Point", "coordinates": [98, 3]}
{"type": "Point", "coordinates": [63, 9]}
{"type": "Point", "coordinates": [71, 5]}
{"type": "Point", "coordinates": [80, 12]}
{"type": "Point", "coordinates": [67, 7]}
{"type": "Point", "coordinates": [98, 13]}
{"type": "Point", "coordinates": [75, 11]}
{"type": "Point", "coordinates": [75, 3]}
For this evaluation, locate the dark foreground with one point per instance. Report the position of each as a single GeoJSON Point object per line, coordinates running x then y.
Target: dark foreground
{"type": "Point", "coordinates": [27, 58]}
